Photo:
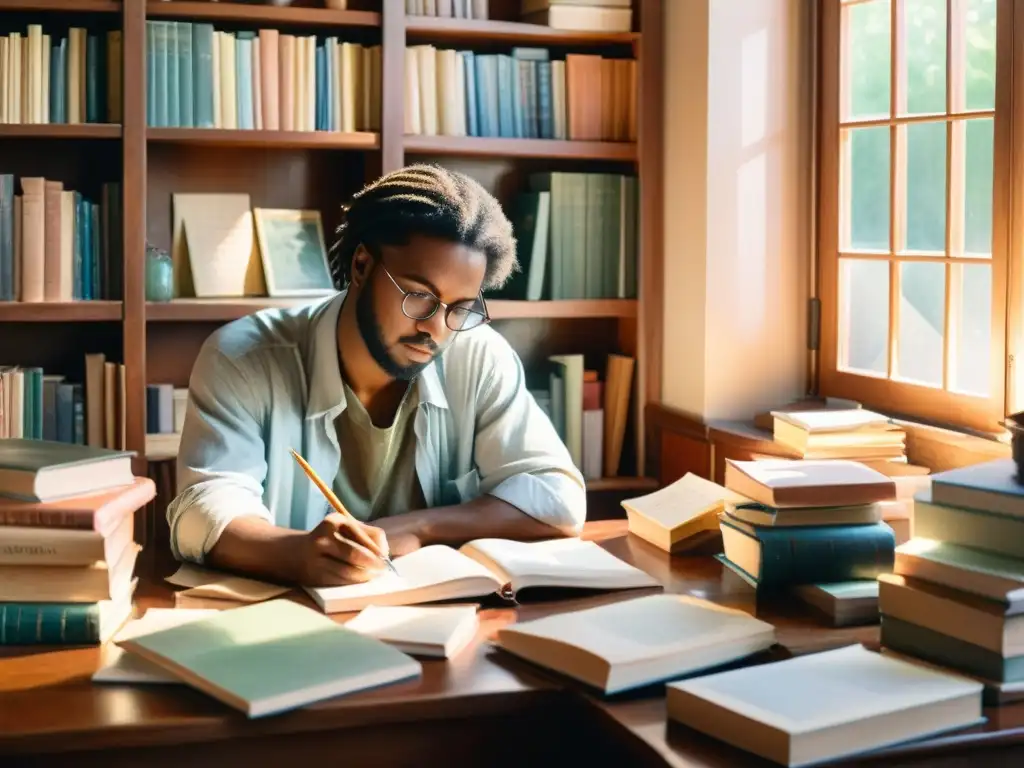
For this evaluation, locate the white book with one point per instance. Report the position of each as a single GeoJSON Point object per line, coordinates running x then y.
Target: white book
{"type": "Point", "coordinates": [823, 706]}
{"type": "Point", "coordinates": [483, 567]}
{"type": "Point", "coordinates": [637, 642]}
{"type": "Point", "coordinates": [440, 631]}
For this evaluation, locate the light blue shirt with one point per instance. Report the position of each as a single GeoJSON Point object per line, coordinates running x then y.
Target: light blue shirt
{"type": "Point", "coordinates": [270, 382]}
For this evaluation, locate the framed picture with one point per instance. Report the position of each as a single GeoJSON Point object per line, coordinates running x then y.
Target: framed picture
{"type": "Point", "coordinates": [293, 252]}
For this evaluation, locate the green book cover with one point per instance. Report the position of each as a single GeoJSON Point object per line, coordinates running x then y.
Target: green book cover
{"type": "Point", "coordinates": [27, 455]}
{"type": "Point", "coordinates": [273, 656]}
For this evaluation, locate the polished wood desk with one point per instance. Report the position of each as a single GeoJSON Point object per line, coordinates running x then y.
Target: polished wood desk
{"type": "Point", "coordinates": [482, 708]}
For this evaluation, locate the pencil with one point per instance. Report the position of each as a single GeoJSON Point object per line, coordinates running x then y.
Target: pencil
{"type": "Point", "coordinates": [335, 502]}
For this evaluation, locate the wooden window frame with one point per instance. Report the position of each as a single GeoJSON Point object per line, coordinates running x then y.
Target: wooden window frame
{"type": "Point", "coordinates": [901, 398]}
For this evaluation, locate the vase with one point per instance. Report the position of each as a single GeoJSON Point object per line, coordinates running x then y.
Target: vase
{"type": "Point", "coordinates": [159, 275]}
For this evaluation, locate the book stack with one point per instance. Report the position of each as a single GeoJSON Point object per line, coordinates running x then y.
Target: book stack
{"type": "Point", "coordinates": [67, 549]}
{"type": "Point", "coordinates": [956, 594]}
{"type": "Point", "coordinates": [808, 523]}
{"type": "Point", "coordinates": [853, 433]}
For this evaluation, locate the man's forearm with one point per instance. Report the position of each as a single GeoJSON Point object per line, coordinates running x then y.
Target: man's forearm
{"type": "Point", "coordinates": [253, 546]}
{"type": "Point", "coordinates": [483, 517]}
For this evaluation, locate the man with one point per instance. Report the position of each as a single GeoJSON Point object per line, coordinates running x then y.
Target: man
{"type": "Point", "coordinates": [394, 390]}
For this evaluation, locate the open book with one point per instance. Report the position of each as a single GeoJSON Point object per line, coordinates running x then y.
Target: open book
{"type": "Point", "coordinates": [483, 566]}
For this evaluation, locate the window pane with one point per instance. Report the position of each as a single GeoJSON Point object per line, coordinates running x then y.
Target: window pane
{"type": "Point", "coordinates": [867, 173]}
{"type": "Point", "coordinates": [926, 187]}
{"type": "Point", "coordinates": [978, 161]}
{"type": "Point", "coordinates": [924, 25]}
{"type": "Point", "coordinates": [867, 50]}
{"type": "Point", "coordinates": [864, 315]}
{"type": "Point", "coordinates": [980, 52]}
{"type": "Point", "coordinates": [922, 314]}
{"type": "Point", "coordinates": [973, 328]}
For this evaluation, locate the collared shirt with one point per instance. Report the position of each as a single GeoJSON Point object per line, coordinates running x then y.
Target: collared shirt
{"type": "Point", "coordinates": [269, 382]}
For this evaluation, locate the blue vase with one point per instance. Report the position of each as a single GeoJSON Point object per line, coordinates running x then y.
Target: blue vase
{"type": "Point", "coordinates": [159, 275]}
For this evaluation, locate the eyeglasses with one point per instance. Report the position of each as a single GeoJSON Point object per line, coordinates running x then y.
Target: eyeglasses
{"type": "Point", "coordinates": [420, 305]}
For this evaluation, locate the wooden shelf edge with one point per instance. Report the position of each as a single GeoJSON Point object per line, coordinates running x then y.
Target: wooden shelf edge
{"type": "Point", "coordinates": [263, 13]}
{"type": "Point", "coordinates": [622, 484]}
{"type": "Point", "coordinates": [74, 6]}
{"type": "Point", "coordinates": [60, 131]}
{"type": "Point", "coordinates": [540, 148]}
{"type": "Point", "coordinates": [222, 310]}
{"type": "Point", "coordinates": [436, 28]}
{"type": "Point", "coordinates": [59, 312]}
{"type": "Point", "coordinates": [363, 140]}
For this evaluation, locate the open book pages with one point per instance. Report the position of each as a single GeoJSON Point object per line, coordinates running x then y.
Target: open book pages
{"type": "Point", "coordinates": [202, 582]}
{"type": "Point", "coordinates": [270, 657]}
{"type": "Point", "coordinates": [670, 516]}
{"type": "Point", "coordinates": [483, 567]}
{"type": "Point", "coordinates": [822, 706]}
{"type": "Point", "coordinates": [637, 642]}
{"type": "Point", "coordinates": [120, 666]}
{"type": "Point", "coordinates": [438, 630]}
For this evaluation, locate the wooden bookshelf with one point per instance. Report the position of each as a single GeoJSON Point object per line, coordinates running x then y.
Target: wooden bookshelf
{"type": "Point", "coordinates": [430, 29]}
{"type": "Point", "coordinates": [550, 149]}
{"type": "Point", "coordinates": [216, 137]}
{"type": "Point", "coordinates": [318, 169]}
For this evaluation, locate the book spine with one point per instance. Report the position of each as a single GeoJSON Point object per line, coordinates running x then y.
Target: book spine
{"type": "Point", "coordinates": [823, 554]}
{"type": "Point", "coordinates": [49, 623]}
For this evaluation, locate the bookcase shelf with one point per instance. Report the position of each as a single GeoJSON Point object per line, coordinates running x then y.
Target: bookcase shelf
{"type": "Point", "coordinates": [158, 342]}
{"type": "Point", "coordinates": [431, 29]}
{"type": "Point", "coordinates": [223, 310]}
{"type": "Point", "coordinates": [60, 131]}
{"type": "Point", "coordinates": [279, 16]}
{"type": "Point", "coordinates": [60, 312]}
{"type": "Point", "coordinates": [472, 146]}
{"type": "Point", "coordinates": [218, 137]}
{"type": "Point", "coordinates": [71, 6]}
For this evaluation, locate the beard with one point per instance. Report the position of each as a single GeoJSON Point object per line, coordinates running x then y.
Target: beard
{"type": "Point", "coordinates": [369, 329]}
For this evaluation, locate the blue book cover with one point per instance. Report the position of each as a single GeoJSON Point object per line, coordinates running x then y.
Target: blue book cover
{"type": "Point", "coordinates": [469, 74]}
{"type": "Point", "coordinates": [173, 76]}
{"type": "Point", "coordinates": [506, 96]}
{"type": "Point", "coordinates": [186, 101]}
{"type": "Point", "coordinates": [545, 111]}
{"type": "Point", "coordinates": [202, 75]}
{"type": "Point", "coordinates": [990, 486]}
{"type": "Point", "coordinates": [320, 60]}
{"type": "Point", "coordinates": [6, 237]}
{"type": "Point", "coordinates": [65, 413]}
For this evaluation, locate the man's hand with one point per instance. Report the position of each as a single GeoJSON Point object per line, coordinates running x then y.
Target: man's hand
{"type": "Point", "coordinates": [333, 553]}
{"type": "Point", "coordinates": [404, 533]}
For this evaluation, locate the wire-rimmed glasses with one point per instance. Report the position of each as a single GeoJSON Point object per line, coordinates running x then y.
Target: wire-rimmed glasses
{"type": "Point", "coordinates": [422, 305]}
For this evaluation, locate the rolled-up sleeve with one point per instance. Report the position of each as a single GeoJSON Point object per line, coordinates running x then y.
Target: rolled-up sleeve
{"type": "Point", "coordinates": [519, 455]}
{"type": "Point", "coordinates": [221, 461]}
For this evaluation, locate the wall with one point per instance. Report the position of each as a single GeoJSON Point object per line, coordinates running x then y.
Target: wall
{"type": "Point", "coordinates": [737, 224]}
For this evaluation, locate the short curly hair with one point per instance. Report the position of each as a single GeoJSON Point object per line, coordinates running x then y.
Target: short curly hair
{"type": "Point", "coordinates": [430, 200]}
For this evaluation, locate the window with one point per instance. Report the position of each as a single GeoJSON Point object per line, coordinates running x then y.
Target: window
{"type": "Point", "coordinates": [914, 192]}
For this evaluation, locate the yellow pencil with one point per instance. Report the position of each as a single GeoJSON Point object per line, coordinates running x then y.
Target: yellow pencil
{"type": "Point", "coordinates": [335, 502]}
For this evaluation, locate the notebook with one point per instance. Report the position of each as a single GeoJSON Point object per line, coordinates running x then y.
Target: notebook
{"type": "Point", "coordinates": [121, 666]}
{"type": "Point", "coordinates": [636, 642]}
{"type": "Point", "coordinates": [482, 567]}
{"type": "Point", "coordinates": [270, 657]}
{"type": "Point", "coordinates": [440, 631]}
{"type": "Point", "coordinates": [822, 706]}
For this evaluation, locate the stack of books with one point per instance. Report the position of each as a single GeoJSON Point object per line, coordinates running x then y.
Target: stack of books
{"type": "Point", "coordinates": [852, 433]}
{"type": "Point", "coordinates": [956, 594]}
{"type": "Point", "coordinates": [807, 523]}
{"type": "Point", "coordinates": [67, 549]}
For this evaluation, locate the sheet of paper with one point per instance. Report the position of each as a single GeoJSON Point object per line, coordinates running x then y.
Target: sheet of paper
{"type": "Point", "coordinates": [202, 582]}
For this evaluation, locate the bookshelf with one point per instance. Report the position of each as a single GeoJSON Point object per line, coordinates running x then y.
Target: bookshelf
{"type": "Point", "coordinates": [158, 342]}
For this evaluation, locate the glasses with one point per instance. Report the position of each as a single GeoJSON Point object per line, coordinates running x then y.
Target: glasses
{"type": "Point", "coordinates": [420, 305]}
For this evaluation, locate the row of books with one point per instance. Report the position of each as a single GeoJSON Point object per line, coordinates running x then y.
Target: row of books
{"type": "Point", "coordinates": [49, 79]}
{"type": "Point", "coordinates": [264, 79]}
{"type": "Point", "coordinates": [576, 237]}
{"type": "Point", "coordinates": [457, 9]}
{"type": "Point", "coordinates": [524, 94]}
{"type": "Point", "coordinates": [67, 545]}
{"type": "Point", "coordinates": [36, 405]}
{"type": "Point", "coordinates": [165, 418]}
{"type": "Point", "coordinates": [56, 244]}
{"type": "Point", "coordinates": [588, 411]}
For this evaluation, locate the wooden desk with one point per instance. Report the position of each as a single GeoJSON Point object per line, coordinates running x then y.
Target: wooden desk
{"type": "Point", "coordinates": [482, 708]}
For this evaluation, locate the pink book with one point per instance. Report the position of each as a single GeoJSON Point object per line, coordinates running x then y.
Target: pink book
{"type": "Point", "coordinates": [271, 80]}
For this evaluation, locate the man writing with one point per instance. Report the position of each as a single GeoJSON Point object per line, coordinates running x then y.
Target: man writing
{"type": "Point", "coordinates": [395, 389]}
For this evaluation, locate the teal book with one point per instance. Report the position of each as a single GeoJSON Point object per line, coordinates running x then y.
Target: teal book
{"type": "Point", "coordinates": [271, 657]}
{"type": "Point", "coordinates": [782, 557]}
{"type": "Point", "coordinates": [44, 470]}
{"type": "Point", "coordinates": [987, 487]}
